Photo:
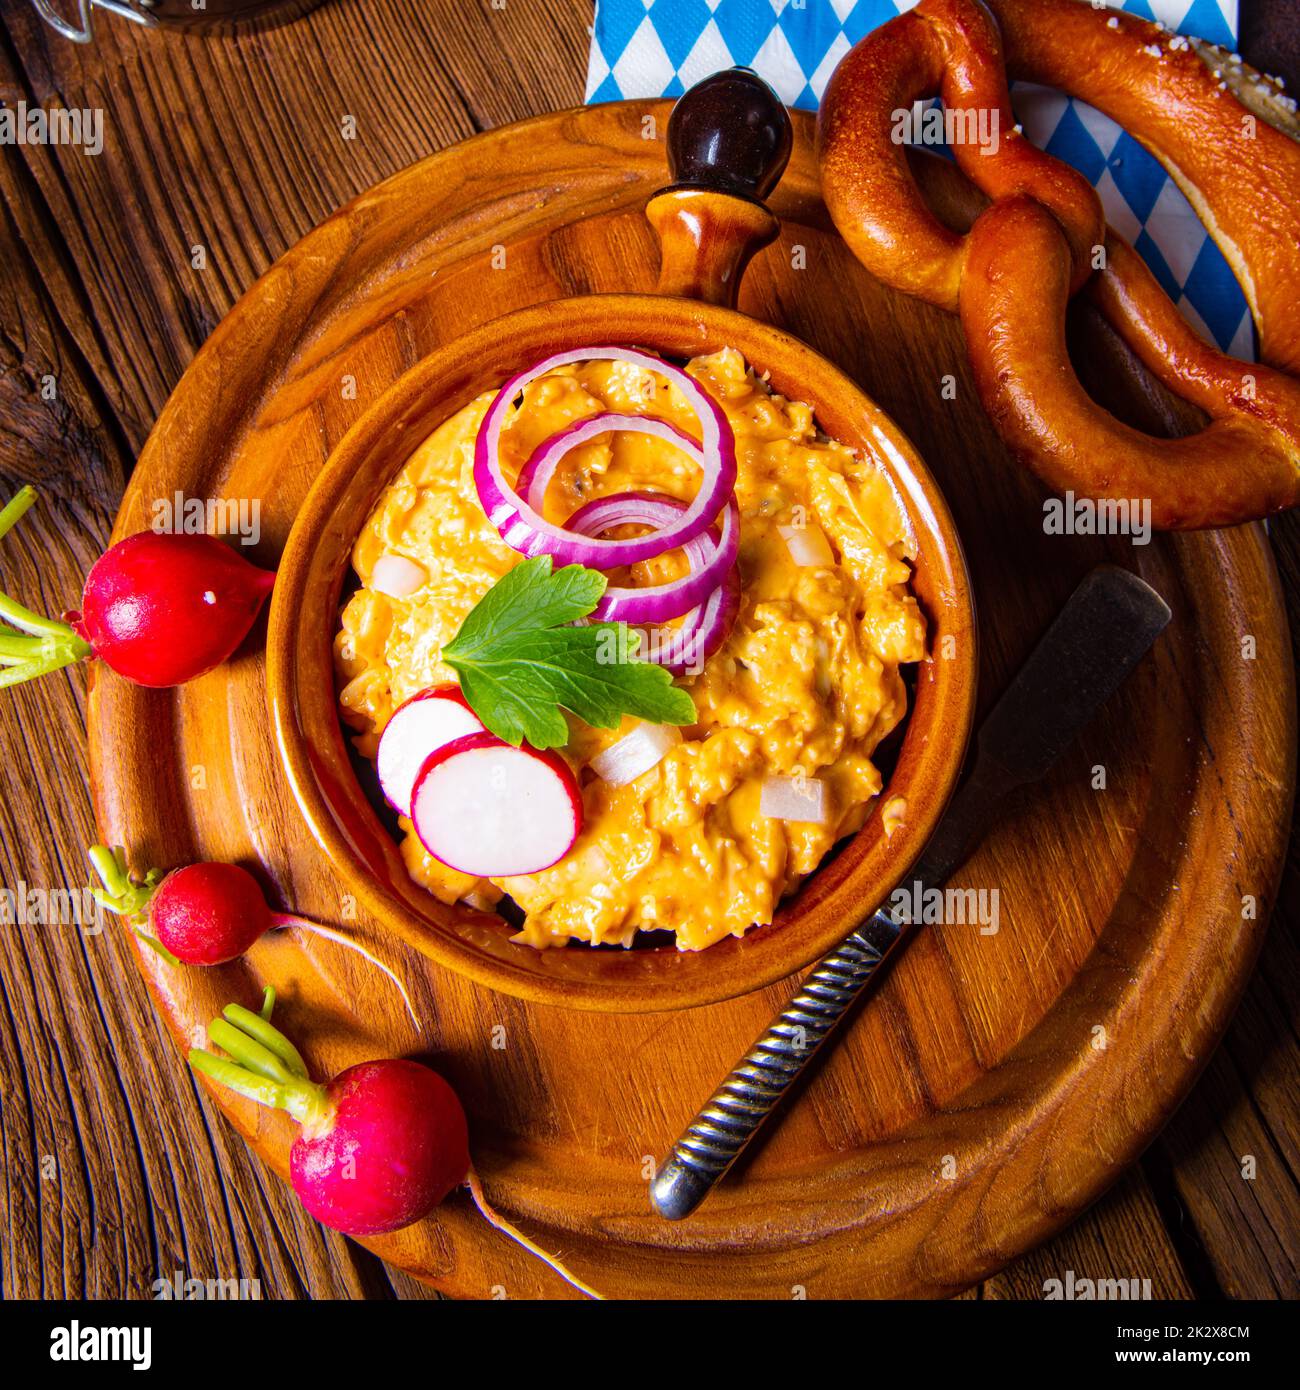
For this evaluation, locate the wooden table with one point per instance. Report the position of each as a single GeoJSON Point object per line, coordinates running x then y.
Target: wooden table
{"type": "Point", "coordinates": [114, 1173]}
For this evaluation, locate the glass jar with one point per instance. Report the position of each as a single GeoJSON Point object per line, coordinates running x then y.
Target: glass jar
{"type": "Point", "coordinates": [76, 22]}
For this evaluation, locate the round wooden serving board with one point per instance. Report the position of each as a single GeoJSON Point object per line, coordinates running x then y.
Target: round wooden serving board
{"type": "Point", "coordinates": [995, 1084]}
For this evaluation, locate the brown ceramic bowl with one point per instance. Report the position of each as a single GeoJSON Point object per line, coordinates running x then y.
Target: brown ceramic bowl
{"type": "Point", "coordinates": [302, 686]}
{"type": "Point", "coordinates": [707, 237]}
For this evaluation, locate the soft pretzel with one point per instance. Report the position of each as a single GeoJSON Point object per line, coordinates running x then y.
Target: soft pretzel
{"type": "Point", "coordinates": [1040, 241]}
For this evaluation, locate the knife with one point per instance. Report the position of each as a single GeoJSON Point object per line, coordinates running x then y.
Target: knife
{"type": "Point", "coordinates": [1106, 627]}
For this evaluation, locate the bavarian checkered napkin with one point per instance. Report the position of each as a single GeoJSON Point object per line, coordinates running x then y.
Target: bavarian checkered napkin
{"type": "Point", "coordinates": [660, 47]}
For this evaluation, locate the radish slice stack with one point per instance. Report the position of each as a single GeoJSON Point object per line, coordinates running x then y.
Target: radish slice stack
{"type": "Point", "coordinates": [417, 729]}
{"type": "Point", "coordinates": [708, 594]}
{"type": "Point", "coordinates": [478, 804]}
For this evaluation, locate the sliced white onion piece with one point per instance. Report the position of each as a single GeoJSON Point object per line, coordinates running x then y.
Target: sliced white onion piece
{"type": "Point", "coordinates": [808, 546]}
{"type": "Point", "coordinates": [794, 798]}
{"type": "Point", "coordinates": [894, 815]}
{"type": "Point", "coordinates": [478, 900]}
{"type": "Point", "coordinates": [525, 530]}
{"type": "Point", "coordinates": [711, 556]}
{"type": "Point", "coordinates": [635, 753]}
{"type": "Point", "coordinates": [397, 576]}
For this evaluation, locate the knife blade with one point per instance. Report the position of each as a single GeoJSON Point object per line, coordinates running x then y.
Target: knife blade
{"type": "Point", "coordinates": [1105, 628]}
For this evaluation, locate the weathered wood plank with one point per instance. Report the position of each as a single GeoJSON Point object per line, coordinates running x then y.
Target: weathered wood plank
{"type": "Point", "coordinates": [1121, 1238]}
{"type": "Point", "coordinates": [101, 306]}
{"type": "Point", "coordinates": [238, 146]}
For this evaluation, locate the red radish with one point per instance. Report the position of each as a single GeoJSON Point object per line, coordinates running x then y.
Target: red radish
{"type": "Point", "coordinates": [202, 914]}
{"type": "Point", "coordinates": [205, 914]}
{"type": "Point", "coordinates": [381, 1144]}
{"type": "Point", "coordinates": [387, 1145]}
{"type": "Point", "coordinates": [489, 809]}
{"type": "Point", "coordinates": [420, 726]}
{"type": "Point", "coordinates": [158, 609]}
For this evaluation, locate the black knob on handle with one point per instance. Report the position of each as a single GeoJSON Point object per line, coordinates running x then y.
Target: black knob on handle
{"type": "Point", "coordinates": [731, 134]}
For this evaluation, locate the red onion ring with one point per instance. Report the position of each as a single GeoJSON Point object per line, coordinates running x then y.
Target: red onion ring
{"type": "Point", "coordinates": [710, 617]}
{"type": "Point", "coordinates": [711, 555]}
{"type": "Point", "coordinates": [702, 632]}
{"type": "Point", "coordinates": [525, 530]}
{"type": "Point", "coordinates": [536, 475]}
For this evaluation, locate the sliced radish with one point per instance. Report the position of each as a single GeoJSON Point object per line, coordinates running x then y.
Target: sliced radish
{"type": "Point", "coordinates": [491, 810]}
{"type": "Point", "coordinates": [425, 723]}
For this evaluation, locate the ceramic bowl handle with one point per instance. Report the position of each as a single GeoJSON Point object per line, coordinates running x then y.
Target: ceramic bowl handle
{"type": "Point", "coordinates": [729, 139]}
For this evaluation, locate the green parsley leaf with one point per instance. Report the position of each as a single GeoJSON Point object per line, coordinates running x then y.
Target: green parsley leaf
{"type": "Point", "coordinates": [520, 662]}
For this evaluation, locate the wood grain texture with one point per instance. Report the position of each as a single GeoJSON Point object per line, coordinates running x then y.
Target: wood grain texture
{"type": "Point", "coordinates": [998, 1082]}
{"type": "Point", "coordinates": [238, 139]}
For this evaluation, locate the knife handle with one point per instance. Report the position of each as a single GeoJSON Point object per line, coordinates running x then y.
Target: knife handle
{"type": "Point", "coordinates": [716, 1137]}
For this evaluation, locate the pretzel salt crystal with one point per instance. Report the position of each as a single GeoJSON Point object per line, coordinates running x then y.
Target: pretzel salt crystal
{"type": "Point", "coordinates": [1011, 275]}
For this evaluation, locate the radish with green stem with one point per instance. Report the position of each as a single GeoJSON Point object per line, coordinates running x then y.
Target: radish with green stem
{"type": "Point", "coordinates": [159, 609]}
{"type": "Point", "coordinates": [381, 1144]}
{"type": "Point", "coordinates": [205, 914]}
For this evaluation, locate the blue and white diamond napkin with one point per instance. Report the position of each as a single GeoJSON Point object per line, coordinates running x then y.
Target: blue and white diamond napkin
{"type": "Point", "coordinates": [643, 48]}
